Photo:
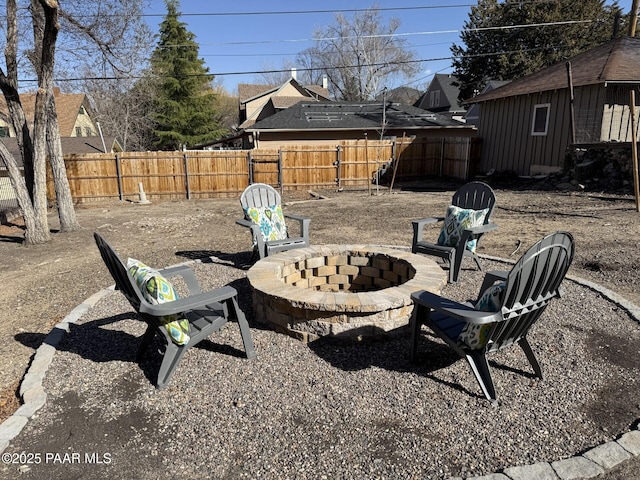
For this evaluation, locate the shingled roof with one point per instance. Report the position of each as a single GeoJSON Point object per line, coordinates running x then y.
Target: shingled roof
{"type": "Point", "coordinates": [247, 91]}
{"type": "Point", "coordinates": [450, 91]}
{"type": "Point", "coordinates": [615, 61]}
{"type": "Point", "coordinates": [70, 146]}
{"type": "Point", "coordinates": [67, 107]}
{"type": "Point", "coordinates": [351, 116]}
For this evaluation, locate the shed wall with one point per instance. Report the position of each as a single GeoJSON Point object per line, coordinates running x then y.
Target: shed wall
{"type": "Point", "coordinates": [507, 142]}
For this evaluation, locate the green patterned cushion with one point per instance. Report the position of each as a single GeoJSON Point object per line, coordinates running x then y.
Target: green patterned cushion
{"type": "Point", "coordinates": [271, 221]}
{"type": "Point", "coordinates": [157, 290]}
{"type": "Point", "coordinates": [455, 221]}
{"type": "Point", "coordinates": [475, 336]}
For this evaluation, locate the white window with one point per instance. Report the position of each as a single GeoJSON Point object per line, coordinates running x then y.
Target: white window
{"type": "Point", "coordinates": [540, 123]}
{"type": "Point", "coordinates": [434, 99]}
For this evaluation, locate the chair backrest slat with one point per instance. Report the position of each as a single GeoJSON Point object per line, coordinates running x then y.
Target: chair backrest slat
{"type": "Point", "coordinates": [118, 271]}
{"type": "Point", "coordinates": [475, 196]}
{"type": "Point", "coordinates": [260, 195]}
{"type": "Point", "coordinates": [531, 284]}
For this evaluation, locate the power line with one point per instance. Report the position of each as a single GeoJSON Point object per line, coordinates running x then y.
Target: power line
{"type": "Point", "coordinates": [343, 10]}
{"type": "Point", "coordinates": [303, 69]}
{"type": "Point", "coordinates": [386, 35]}
{"type": "Point", "coordinates": [306, 12]}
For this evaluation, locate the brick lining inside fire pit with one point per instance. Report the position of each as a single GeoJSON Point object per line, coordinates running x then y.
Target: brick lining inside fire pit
{"type": "Point", "coordinates": [349, 291]}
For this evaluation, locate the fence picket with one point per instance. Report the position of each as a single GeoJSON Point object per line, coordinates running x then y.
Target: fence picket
{"type": "Point", "coordinates": [226, 173]}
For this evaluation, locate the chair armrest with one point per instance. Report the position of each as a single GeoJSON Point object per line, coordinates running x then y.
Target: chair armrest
{"type": "Point", "coordinates": [298, 218]}
{"type": "Point", "coordinates": [492, 277]}
{"type": "Point", "coordinates": [488, 227]}
{"type": "Point", "coordinates": [187, 275]}
{"type": "Point", "coordinates": [454, 309]}
{"type": "Point", "coordinates": [471, 232]}
{"type": "Point", "coordinates": [189, 303]}
{"type": "Point", "coordinates": [418, 227]}
{"type": "Point", "coordinates": [244, 222]}
{"type": "Point", "coordinates": [258, 241]}
{"type": "Point", "coordinates": [304, 224]}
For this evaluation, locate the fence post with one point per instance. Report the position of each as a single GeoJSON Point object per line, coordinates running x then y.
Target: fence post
{"type": "Point", "coordinates": [338, 164]}
{"type": "Point", "coordinates": [119, 177]}
{"type": "Point", "coordinates": [441, 155]}
{"type": "Point", "coordinates": [467, 160]}
{"type": "Point", "coordinates": [187, 186]}
{"type": "Point", "coordinates": [250, 166]}
{"type": "Point", "coordinates": [280, 171]}
{"type": "Point", "coordinates": [366, 159]}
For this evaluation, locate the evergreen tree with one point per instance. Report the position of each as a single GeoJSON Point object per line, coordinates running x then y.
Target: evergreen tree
{"type": "Point", "coordinates": [506, 40]}
{"type": "Point", "coordinates": [184, 109]}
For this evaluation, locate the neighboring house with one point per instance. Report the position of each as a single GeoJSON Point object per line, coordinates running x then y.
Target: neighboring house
{"type": "Point", "coordinates": [257, 102]}
{"type": "Point", "coordinates": [70, 146]}
{"type": "Point", "coordinates": [406, 95]}
{"type": "Point", "coordinates": [332, 122]}
{"type": "Point", "coordinates": [472, 116]}
{"type": "Point", "coordinates": [442, 97]}
{"type": "Point", "coordinates": [525, 126]}
{"type": "Point", "coordinates": [78, 132]}
{"type": "Point", "coordinates": [73, 109]}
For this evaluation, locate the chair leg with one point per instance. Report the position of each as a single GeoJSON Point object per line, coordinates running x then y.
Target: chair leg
{"type": "Point", "coordinates": [245, 332]}
{"type": "Point", "coordinates": [170, 361]}
{"type": "Point", "coordinates": [480, 366]}
{"type": "Point", "coordinates": [415, 323]}
{"type": "Point", "coordinates": [147, 338]}
{"type": "Point", "coordinates": [524, 344]}
{"type": "Point", "coordinates": [477, 260]}
{"type": "Point", "coordinates": [455, 264]}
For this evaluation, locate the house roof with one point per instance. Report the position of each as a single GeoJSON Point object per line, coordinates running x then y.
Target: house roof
{"type": "Point", "coordinates": [406, 95]}
{"type": "Point", "coordinates": [281, 103]}
{"type": "Point", "coordinates": [318, 91]}
{"type": "Point", "coordinates": [247, 91]}
{"type": "Point", "coordinates": [67, 107]}
{"type": "Point", "coordinates": [451, 91]}
{"type": "Point", "coordinates": [617, 61]}
{"type": "Point", "coordinates": [270, 95]}
{"type": "Point", "coordinates": [70, 145]}
{"type": "Point", "coordinates": [351, 116]}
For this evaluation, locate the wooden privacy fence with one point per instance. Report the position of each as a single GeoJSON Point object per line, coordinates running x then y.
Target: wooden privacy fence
{"type": "Point", "coordinates": [226, 173]}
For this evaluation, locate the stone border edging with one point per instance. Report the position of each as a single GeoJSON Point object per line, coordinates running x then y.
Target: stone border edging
{"type": "Point", "coordinates": [589, 464]}
{"type": "Point", "coordinates": [31, 389]}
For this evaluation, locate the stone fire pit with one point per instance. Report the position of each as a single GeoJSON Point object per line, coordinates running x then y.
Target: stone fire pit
{"type": "Point", "coordinates": [346, 291]}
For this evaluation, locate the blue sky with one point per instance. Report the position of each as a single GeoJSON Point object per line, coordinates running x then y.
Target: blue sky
{"type": "Point", "coordinates": [251, 43]}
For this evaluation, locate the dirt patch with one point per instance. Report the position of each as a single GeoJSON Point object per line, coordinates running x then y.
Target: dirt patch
{"type": "Point", "coordinates": [43, 283]}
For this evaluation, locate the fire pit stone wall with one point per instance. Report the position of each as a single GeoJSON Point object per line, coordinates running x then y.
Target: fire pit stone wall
{"type": "Point", "coordinates": [345, 291]}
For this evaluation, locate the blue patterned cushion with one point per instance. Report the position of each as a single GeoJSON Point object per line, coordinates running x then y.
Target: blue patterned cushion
{"type": "Point", "coordinates": [157, 290]}
{"type": "Point", "coordinates": [458, 219]}
{"type": "Point", "coordinates": [271, 221]}
{"type": "Point", "coordinates": [473, 335]}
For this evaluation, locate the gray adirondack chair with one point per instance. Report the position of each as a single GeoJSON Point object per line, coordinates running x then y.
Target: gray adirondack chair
{"type": "Point", "coordinates": [474, 196]}
{"type": "Point", "coordinates": [528, 288]}
{"type": "Point", "coordinates": [263, 195]}
{"type": "Point", "coordinates": [207, 312]}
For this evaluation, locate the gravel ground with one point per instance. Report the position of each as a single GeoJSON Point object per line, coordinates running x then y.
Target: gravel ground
{"type": "Point", "coordinates": [331, 410]}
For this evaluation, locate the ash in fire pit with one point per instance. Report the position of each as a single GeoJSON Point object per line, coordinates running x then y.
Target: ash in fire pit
{"type": "Point", "coordinates": [346, 291]}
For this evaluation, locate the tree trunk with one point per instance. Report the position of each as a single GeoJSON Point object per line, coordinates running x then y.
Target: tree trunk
{"type": "Point", "coordinates": [9, 86]}
{"type": "Point", "coordinates": [66, 212]}
{"type": "Point", "coordinates": [37, 227]}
